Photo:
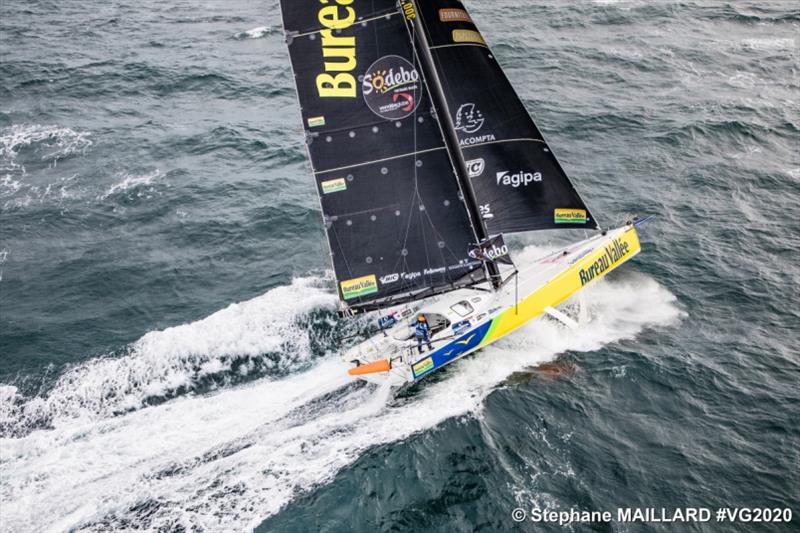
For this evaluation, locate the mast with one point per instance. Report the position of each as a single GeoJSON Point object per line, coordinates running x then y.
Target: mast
{"type": "Point", "coordinates": [451, 141]}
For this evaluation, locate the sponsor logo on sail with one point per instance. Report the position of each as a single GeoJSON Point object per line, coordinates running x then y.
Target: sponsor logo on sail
{"type": "Point", "coordinates": [520, 178]}
{"type": "Point", "coordinates": [315, 122]}
{"type": "Point", "coordinates": [492, 249]}
{"type": "Point", "coordinates": [388, 279]}
{"type": "Point", "coordinates": [570, 216]}
{"type": "Point", "coordinates": [391, 87]}
{"type": "Point", "coordinates": [450, 14]}
{"type": "Point", "coordinates": [468, 36]}
{"type": "Point", "coordinates": [329, 186]}
{"type": "Point", "coordinates": [475, 167]}
{"type": "Point", "coordinates": [357, 287]}
{"type": "Point", "coordinates": [410, 276]}
{"type": "Point", "coordinates": [338, 51]}
{"type": "Point", "coordinates": [486, 211]}
{"type": "Point", "coordinates": [469, 119]}
{"type": "Point", "coordinates": [611, 255]}
{"type": "Point", "coordinates": [408, 9]}
{"type": "Point", "coordinates": [433, 271]}
{"type": "Point", "coordinates": [423, 366]}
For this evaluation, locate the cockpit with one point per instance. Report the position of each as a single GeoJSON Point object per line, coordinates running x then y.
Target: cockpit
{"type": "Point", "coordinates": [436, 323]}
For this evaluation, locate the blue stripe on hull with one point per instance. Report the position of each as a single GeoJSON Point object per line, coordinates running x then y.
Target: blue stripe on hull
{"type": "Point", "coordinates": [450, 352]}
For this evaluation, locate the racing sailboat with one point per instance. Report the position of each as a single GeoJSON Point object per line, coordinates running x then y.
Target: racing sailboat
{"type": "Point", "coordinates": [424, 157]}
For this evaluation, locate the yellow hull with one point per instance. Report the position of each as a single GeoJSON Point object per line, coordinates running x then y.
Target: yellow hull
{"type": "Point", "coordinates": [587, 269]}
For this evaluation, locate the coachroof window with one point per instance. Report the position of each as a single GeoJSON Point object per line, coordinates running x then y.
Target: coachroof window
{"type": "Point", "coordinates": [462, 308]}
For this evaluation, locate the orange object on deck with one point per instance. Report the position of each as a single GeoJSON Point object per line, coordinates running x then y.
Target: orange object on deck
{"type": "Point", "coordinates": [384, 365]}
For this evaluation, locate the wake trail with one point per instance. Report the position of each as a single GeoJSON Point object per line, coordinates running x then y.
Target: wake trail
{"type": "Point", "coordinates": [230, 459]}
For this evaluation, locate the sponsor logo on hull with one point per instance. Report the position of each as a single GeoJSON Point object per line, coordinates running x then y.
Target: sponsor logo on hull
{"type": "Point", "coordinates": [423, 366]}
{"type": "Point", "coordinates": [613, 253]}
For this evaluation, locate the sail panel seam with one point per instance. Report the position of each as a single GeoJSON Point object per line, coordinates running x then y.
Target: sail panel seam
{"type": "Point", "coordinates": [521, 139]}
{"type": "Point", "coordinates": [378, 160]}
{"type": "Point", "coordinates": [385, 15]}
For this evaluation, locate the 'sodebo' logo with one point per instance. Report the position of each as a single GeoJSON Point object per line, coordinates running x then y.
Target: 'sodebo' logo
{"type": "Point", "coordinates": [493, 253]}
{"type": "Point", "coordinates": [519, 178]}
{"type": "Point", "coordinates": [391, 88]}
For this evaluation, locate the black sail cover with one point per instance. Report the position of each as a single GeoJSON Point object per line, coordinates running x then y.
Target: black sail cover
{"type": "Point", "coordinates": [393, 212]}
{"type": "Point", "coordinates": [517, 180]}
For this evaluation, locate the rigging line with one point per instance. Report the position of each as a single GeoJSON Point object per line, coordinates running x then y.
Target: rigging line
{"type": "Point", "coordinates": [458, 44]}
{"type": "Point", "coordinates": [388, 14]}
{"type": "Point", "coordinates": [378, 160]}
{"type": "Point", "coordinates": [412, 31]}
{"type": "Point", "coordinates": [416, 170]}
{"type": "Point", "coordinates": [344, 256]}
{"type": "Point", "coordinates": [415, 190]}
{"type": "Point", "coordinates": [519, 139]}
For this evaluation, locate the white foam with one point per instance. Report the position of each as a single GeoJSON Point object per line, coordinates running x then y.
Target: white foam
{"type": "Point", "coordinates": [228, 460]}
{"type": "Point", "coordinates": [256, 33]}
{"type": "Point", "coordinates": [162, 361]}
{"type": "Point", "coordinates": [776, 43]}
{"type": "Point", "coordinates": [140, 182]}
{"type": "Point", "coordinates": [55, 142]}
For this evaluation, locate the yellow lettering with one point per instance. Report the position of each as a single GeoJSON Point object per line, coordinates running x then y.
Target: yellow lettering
{"type": "Point", "coordinates": [341, 85]}
{"type": "Point", "coordinates": [329, 17]}
{"type": "Point", "coordinates": [328, 39]}
{"type": "Point", "coordinates": [349, 54]}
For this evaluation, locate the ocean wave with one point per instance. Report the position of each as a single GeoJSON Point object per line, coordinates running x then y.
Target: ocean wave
{"type": "Point", "coordinates": [50, 143]}
{"type": "Point", "coordinates": [139, 182]}
{"type": "Point", "coordinates": [230, 459]}
{"type": "Point", "coordinates": [770, 44]}
{"type": "Point", "coordinates": [258, 33]}
{"type": "Point", "coordinates": [264, 334]}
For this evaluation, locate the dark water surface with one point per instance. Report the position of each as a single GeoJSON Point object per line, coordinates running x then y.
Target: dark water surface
{"type": "Point", "coordinates": [152, 173]}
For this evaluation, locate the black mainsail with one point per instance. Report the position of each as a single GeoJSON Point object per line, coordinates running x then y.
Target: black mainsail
{"type": "Point", "coordinates": [393, 213]}
{"type": "Point", "coordinates": [407, 194]}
